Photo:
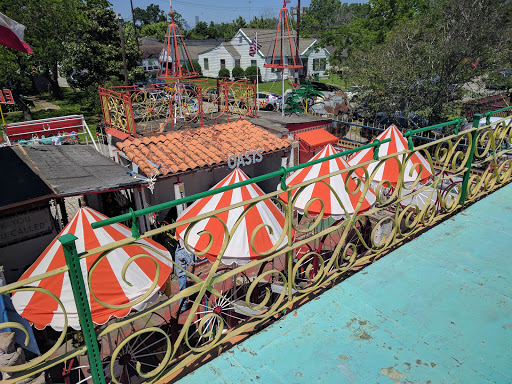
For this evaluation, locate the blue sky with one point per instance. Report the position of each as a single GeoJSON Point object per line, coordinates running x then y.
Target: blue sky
{"type": "Point", "coordinates": [213, 10]}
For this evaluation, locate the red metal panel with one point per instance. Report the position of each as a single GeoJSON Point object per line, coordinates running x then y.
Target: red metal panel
{"type": "Point", "coordinates": [46, 127]}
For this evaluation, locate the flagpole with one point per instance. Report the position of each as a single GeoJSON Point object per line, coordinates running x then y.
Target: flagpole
{"type": "Point", "coordinates": [257, 79]}
{"type": "Point", "coordinates": [283, 58]}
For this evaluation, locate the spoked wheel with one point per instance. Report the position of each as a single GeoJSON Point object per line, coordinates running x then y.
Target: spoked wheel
{"type": "Point", "coordinates": [151, 110]}
{"type": "Point", "coordinates": [314, 258]}
{"type": "Point", "coordinates": [146, 348]}
{"type": "Point", "coordinates": [420, 199]}
{"type": "Point", "coordinates": [184, 104]}
{"type": "Point", "coordinates": [217, 314]}
{"type": "Point", "coordinates": [450, 195]}
{"type": "Point", "coordinates": [214, 102]}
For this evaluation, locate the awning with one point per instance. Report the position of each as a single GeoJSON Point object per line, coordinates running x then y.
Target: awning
{"type": "Point", "coordinates": [317, 138]}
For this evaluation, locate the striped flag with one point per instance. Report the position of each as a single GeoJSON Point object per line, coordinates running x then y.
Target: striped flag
{"type": "Point", "coordinates": [11, 35]}
{"type": "Point", "coordinates": [255, 46]}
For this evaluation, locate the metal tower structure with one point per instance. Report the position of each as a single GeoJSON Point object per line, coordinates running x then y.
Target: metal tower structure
{"type": "Point", "coordinates": [283, 50]}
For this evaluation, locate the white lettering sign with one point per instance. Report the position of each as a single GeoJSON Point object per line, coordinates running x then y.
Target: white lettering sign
{"type": "Point", "coordinates": [247, 158]}
{"type": "Point", "coordinates": [24, 226]}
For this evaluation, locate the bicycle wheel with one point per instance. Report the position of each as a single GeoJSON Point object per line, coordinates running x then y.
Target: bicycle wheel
{"type": "Point", "coordinates": [219, 313]}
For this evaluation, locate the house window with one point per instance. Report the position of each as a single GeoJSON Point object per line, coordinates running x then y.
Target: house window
{"type": "Point", "coordinates": [206, 65]}
{"type": "Point", "coordinates": [222, 63]}
{"type": "Point", "coordinates": [237, 62]}
{"type": "Point", "coordinates": [240, 40]}
{"type": "Point", "coordinates": [254, 63]}
{"type": "Point", "coordinates": [318, 64]}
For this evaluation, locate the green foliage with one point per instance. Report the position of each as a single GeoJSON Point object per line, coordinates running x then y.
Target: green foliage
{"type": "Point", "coordinates": [238, 73]}
{"type": "Point", "coordinates": [224, 73]}
{"type": "Point", "coordinates": [250, 73]}
{"type": "Point", "coordinates": [94, 50]}
{"type": "Point", "coordinates": [197, 68]}
{"type": "Point", "coordinates": [424, 61]}
{"type": "Point", "coordinates": [263, 22]}
{"type": "Point", "coordinates": [157, 30]}
{"type": "Point", "coordinates": [152, 14]}
{"type": "Point", "coordinates": [48, 23]}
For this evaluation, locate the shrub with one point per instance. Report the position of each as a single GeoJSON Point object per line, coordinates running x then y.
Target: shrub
{"type": "Point", "coordinates": [197, 68]}
{"type": "Point", "coordinates": [224, 73]}
{"type": "Point", "coordinates": [250, 73]}
{"type": "Point", "coordinates": [238, 73]}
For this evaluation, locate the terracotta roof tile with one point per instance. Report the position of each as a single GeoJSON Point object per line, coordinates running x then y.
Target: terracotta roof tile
{"type": "Point", "coordinates": [198, 148]}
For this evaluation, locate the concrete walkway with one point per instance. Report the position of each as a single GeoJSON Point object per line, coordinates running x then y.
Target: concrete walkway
{"type": "Point", "coordinates": [437, 310]}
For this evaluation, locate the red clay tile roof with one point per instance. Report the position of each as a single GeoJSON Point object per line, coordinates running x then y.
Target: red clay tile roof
{"type": "Point", "coordinates": [184, 150]}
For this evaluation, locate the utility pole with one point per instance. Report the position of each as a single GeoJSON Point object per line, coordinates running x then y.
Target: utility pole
{"type": "Point", "coordinates": [120, 20]}
{"type": "Point", "coordinates": [298, 33]}
{"type": "Point", "coordinates": [298, 23]}
{"type": "Point", "coordinates": [134, 26]}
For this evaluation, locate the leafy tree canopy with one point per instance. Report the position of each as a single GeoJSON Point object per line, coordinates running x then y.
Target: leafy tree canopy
{"type": "Point", "coordinates": [425, 60]}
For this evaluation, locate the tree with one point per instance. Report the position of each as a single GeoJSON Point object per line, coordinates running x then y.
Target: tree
{"type": "Point", "coordinates": [152, 14]}
{"type": "Point", "coordinates": [238, 73]}
{"type": "Point", "coordinates": [93, 53]}
{"type": "Point", "coordinates": [250, 73]}
{"type": "Point", "coordinates": [157, 30]}
{"type": "Point", "coordinates": [263, 22]}
{"type": "Point", "coordinates": [15, 75]}
{"type": "Point", "coordinates": [223, 73]}
{"type": "Point", "coordinates": [424, 61]}
{"type": "Point", "coordinates": [48, 23]}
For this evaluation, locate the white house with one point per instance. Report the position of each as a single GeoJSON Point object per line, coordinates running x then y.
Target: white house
{"type": "Point", "coordinates": [236, 53]}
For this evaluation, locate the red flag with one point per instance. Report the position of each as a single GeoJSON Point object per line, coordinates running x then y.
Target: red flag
{"type": "Point", "coordinates": [11, 35]}
{"type": "Point", "coordinates": [255, 46]}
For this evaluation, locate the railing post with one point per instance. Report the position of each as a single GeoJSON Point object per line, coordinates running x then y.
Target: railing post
{"type": "Point", "coordinates": [82, 306]}
{"type": "Point", "coordinates": [469, 163]}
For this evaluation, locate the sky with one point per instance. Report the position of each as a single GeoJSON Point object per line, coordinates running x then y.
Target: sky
{"type": "Point", "coordinates": [213, 10]}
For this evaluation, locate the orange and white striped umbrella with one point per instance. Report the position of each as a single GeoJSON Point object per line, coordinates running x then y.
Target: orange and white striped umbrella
{"type": "Point", "coordinates": [332, 207]}
{"type": "Point", "coordinates": [239, 250]}
{"type": "Point", "coordinates": [390, 170]}
{"type": "Point", "coordinates": [107, 279]}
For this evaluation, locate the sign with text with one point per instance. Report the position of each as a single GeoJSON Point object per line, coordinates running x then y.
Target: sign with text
{"type": "Point", "coordinates": [247, 158]}
{"type": "Point", "coordinates": [25, 226]}
{"type": "Point", "coordinates": [6, 96]}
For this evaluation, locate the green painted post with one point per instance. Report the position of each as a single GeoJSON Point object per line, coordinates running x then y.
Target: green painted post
{"type": "Point", "coordinates": [82, 306]}
{"type": "Point", "coordinates": [465, 182]}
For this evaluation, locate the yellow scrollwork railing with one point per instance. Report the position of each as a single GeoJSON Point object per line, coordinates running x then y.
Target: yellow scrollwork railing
{"type": "Point", "coordinates": [225, 302]}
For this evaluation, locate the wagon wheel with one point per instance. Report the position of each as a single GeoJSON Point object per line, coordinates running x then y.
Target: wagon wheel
{"type": "Point", "coordinates": [147, 348]}
{"type": "Point", "coordinates": [241, 98]}
{"type": "Point", "coordinates": [229, 306]}
{"type": "Point", "coordinates": [308, 254]}
{"type": "Point", "coordinates": [185, 104]}
{"type": "Point", "coordinates": [420, 199]}
{"type": "Point", "coordinates": [450, 195]}
{"type": "Point", "coordinates": [151, 110]}
{"type": "Point", "coordinates": [213, 102]}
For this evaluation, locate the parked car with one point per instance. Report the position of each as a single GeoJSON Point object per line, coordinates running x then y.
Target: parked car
{"type": "Point", "coordinates": [269, 101]}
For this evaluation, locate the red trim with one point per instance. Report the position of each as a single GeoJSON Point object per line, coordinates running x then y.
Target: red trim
{"type": "Point", "coordinates": [118, 134]}
{"type": "Point", "coordinates": [312, 124]}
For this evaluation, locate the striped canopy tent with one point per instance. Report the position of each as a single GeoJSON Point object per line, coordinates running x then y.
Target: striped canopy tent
{"type": "Point", "coordinates": [239, 249]}
{"type": "Point", "coordinates": [332, 207]}
{"type": "Point", "coordinates": [107, 279]}
{"type": "Point", "coordinates": [390, 170]}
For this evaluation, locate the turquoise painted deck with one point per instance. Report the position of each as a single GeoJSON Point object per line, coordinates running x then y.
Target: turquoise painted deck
{"type": "Point", "coordinates": [437, 310]}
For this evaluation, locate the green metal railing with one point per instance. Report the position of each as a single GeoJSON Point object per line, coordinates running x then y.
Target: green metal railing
{"type": "Point", "coordinates": [316, 253]}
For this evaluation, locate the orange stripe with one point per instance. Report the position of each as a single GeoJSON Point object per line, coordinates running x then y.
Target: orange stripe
{"type": "Point", "coordinates": [40, 307]}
